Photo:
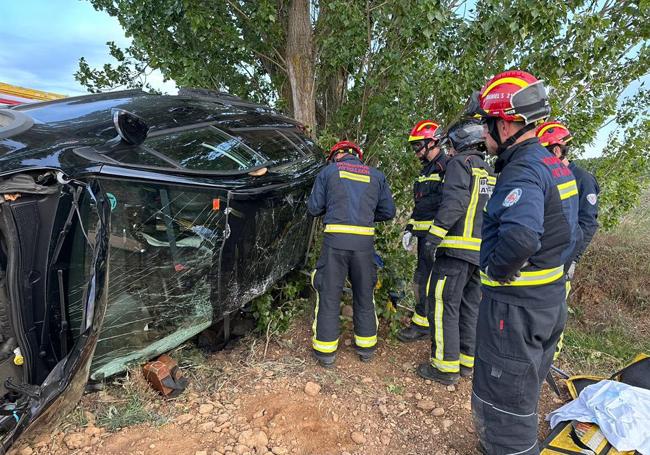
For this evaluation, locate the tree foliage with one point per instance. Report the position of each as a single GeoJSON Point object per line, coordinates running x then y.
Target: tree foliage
{"type": "Point", "coordinates": [366, 70]}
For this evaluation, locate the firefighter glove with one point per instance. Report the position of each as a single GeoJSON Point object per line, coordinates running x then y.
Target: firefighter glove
{"type": "Point", "coordinates": [430, 251]}
{"type": "Point", "coordinates": [408, 240]}
{"type": "Point", "coordinates": [571, 271]}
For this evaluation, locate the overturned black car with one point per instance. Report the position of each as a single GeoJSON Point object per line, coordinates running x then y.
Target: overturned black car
{"type": "Point", "coordinates": [129, 223]}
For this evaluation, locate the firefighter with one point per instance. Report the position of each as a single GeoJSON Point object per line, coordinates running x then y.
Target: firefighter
{"type": "Point", "coordinates": [530, 227]}
{"type": "Point", "coordinates": [555, 137]}
{"type": "Point", "coordinates": [425, 140]}
{"type": "Point", "coordinates": [453, 288]}
{"type": "Point", "coordinates": [351, 197]}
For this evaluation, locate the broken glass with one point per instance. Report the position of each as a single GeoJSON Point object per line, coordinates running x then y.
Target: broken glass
{"type": "Point", "coordinates": [182, 257]}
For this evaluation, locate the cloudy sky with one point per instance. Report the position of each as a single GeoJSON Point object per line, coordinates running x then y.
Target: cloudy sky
{"type": "Point", "coordinates": [41, 42]}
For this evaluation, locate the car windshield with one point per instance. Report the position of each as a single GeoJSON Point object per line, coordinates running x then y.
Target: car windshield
{"type": "Point", "coordinates": [205, 149]}
{"type": "Point", "coordinates": [210, 149]}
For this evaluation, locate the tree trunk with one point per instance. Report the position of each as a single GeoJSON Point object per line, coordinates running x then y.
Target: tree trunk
{"type": "Point", "coordinates": [300, 64]}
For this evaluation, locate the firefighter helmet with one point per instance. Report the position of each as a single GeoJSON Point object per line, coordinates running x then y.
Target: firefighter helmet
{"type": "Point", "coordinates": [346, 147]}
{"type": "Point", "coordinates": [515, 96]}
{"type": "Point", "coordinates": [553, 133]}
{"type": "Point", "coordinates": [425, 129]}
{"type": "Point", "coordinates": [466, 133]}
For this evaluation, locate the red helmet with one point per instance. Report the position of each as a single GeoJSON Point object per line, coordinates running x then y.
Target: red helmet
{"type": "Point", "coordinates": [553, 133]}
{"type": "Point", "coordinates": [347, 147]}
{"type": "Point", "coordinates": [514, 96]}
{"type": "Point", "coordinates": [425, 129]}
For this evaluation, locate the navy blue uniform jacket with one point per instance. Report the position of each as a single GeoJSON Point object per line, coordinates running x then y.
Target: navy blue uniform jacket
{"type": "Point", "coordinates": [351, 197]}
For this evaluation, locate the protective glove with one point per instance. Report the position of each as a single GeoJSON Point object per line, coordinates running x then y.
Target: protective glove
{"type": "Point", "coordinates": [508, 280]}
{"type": "Point", "coordinates": [408, 240]}
{"type": "Point", "coordinates": [430, 251]}
{"type": "Point", "coordinates": [571, 271]}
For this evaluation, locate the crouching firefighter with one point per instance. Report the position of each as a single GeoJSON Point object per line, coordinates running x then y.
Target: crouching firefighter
{"type": "Point", "coordinates": [555, 137]}
{"type": "Point", "coordinates": [530, 227]}
{"type": "Point", "coordinates": [425, 140]}
{"type": "Point", "coordinates": [351, 197]}
{"type": "Point", "coordinates": [454, 287]}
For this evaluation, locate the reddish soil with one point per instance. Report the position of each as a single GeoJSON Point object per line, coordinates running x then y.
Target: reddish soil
{"type": "Point", "coordinates": [234, 396]}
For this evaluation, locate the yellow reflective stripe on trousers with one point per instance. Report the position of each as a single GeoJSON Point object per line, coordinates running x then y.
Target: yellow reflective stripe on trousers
{"type": "Point", "coordinates": [349, 229]}
{"type": "Point", "coordinates": [437, 319]}
{"type": "Point", "coordinates": [438, 231]}
{"type": "Point", "coordinates": [462, 243]}
{"type": "Point", "coordinates": [420, 225]}
{"type": "Point", "coordinates": [355, 177]}
{"type": "Point", "coordinates": [429, 178]}
{"type": "Point", "coordinates": [536, 278]}
{"type": "Point", "coordinates": [321, 346]}
{"type": "Point", "coordinates": [467, 360]}
{"type": "Point", "coordinates": [365, 342]}
{"type": "Point", "coordinates": [420, 320]}
{"type": "Point", "coordinates": [446, 366]}
{"type": "Point", "coordinates": [324, 346]}
{"type": "Point", "coordinates": [567, 189]}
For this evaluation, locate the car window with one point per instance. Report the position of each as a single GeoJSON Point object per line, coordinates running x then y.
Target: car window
{"type": "Point", "coordinates": [164, 255]}
{"type": "Point", "coordinates": [216, 150]}
{"type": "Point", "coordinates": [275, 144]}
{"type": "Point", "coordinates": [206, 149]}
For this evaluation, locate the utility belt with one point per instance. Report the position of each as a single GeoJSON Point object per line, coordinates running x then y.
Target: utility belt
{"type": "Point", "coordinates": [528, 278]}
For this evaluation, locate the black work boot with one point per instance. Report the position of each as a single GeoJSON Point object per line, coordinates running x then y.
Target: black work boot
{"type": "Point", "coordinates": [325, 360]}
{"type": "Point", "coordinates": [365, 355]}
{"type": "Point", "coordinates": [412, 333]}
{"type": "Point", "coordinates": [427, 371]}
{"type": "Point", "coordinates": [466, 372]}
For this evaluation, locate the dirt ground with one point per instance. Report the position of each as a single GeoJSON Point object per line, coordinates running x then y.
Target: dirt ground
{"type": "Point", "coordinates": [273, 398]}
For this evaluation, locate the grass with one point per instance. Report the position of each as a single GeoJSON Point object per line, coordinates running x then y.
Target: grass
{"type": "Point", "coordinates": [132, 406]}
{"type": "Point", "coordinates": [132, 411]}
{"type": "Point", "coordinates": [609, 321]}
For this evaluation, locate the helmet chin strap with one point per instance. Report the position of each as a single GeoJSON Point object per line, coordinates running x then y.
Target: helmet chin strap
{"type": "Point", "coordinates": [494, 133]}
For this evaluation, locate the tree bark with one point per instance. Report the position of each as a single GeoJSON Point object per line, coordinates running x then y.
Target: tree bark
{"type": "Point", "coordinates": [300, 64]}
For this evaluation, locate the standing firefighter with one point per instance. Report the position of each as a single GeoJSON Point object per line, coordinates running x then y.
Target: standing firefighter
{"type": "Point", "coordinates": [555, 137]}
{"type": "Point", "coordinates": [425, 141]}
{"type": "Point", "coordinates": [453, 288]}
{"type": "Point", "coordinates": [530, 228]}
{"type": "Point", "coordinates": [351, 197]}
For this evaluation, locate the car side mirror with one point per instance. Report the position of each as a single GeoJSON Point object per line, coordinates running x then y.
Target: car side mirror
{"type": "Point", "coordinates": [132, 129]}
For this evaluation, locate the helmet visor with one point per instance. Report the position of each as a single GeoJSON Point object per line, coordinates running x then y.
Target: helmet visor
{"type": "Point", "coordinates": [531, 103]}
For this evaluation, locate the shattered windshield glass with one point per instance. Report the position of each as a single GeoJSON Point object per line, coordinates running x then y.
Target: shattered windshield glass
{"type": "Point", "coordinates": [206, 149]}
{"type": "Point", "coordinates": [182, 257]}
{"type": "Point", "coordinates": [214, 150]}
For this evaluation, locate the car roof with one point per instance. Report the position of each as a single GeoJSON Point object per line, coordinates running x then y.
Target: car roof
{"type": "Point", "coordinates": [86, 121]}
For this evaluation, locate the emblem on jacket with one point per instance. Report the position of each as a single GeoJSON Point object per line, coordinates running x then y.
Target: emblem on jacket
{"type": "Point", "coordinates": [512, 198]}
{"type": "Point", "coordinates": [592, 198]}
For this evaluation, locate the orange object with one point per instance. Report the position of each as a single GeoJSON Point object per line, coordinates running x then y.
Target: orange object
{"type": "Point", "coordinates": [216, 204]}
{"type": "Point", "coordinates": [165, 377]}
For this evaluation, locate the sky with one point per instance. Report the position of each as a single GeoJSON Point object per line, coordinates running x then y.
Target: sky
{"type": "Point", "coordinates": [41, 42]}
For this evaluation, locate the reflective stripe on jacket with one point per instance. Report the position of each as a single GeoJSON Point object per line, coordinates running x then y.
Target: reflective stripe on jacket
{"type": "Point", "coordinates": [426, 195]}
{"type": "Point", "coordinates": [456, 228]}
{"type": "Point", "coordinates": [530, 226]}
{"type": "Point", "coordinates": [351, 197]}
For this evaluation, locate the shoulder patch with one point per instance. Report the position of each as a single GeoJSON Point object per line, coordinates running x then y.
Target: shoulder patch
{"type": "Point", "coordinates": [592, 198]}
{"type": "Point", "coordinates": [512, 198]}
